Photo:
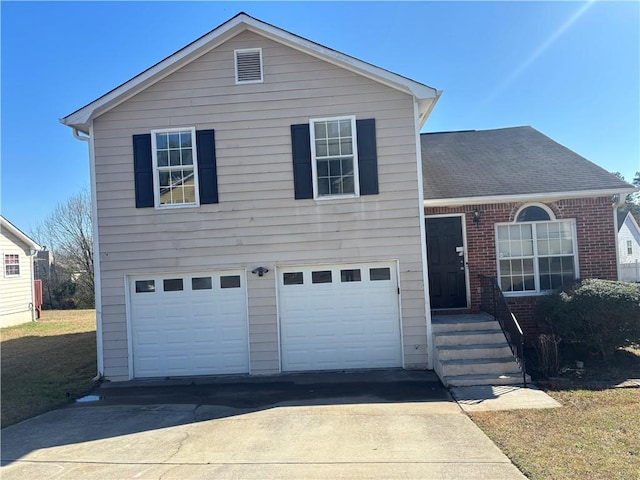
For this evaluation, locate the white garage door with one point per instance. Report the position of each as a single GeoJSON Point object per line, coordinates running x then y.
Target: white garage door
{"type": "Point", "coordinates": [189, 324]}
{"type": "Point", "coordinates": [339, 317]}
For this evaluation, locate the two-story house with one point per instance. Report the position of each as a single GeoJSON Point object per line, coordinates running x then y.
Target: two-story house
{"type": "Point", "coordinates": [259, 207]}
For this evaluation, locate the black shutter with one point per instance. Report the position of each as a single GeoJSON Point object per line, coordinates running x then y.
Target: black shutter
{"type": "Point", "coordinates": [367, 156]}
{"type": "Point", "coordinates": [207, 172]}
{"type": "Point", "coordinates": [302, 175]}
{"type": "Point", "coordinates": [143, 170]}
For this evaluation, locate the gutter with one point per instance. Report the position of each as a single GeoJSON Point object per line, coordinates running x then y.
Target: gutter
{"type": "Point", "coordinates": [531, 197]}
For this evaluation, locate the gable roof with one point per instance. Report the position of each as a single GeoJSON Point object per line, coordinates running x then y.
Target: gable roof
{"type": "Point", "coordinates": [622, 218]}
{"type": "Point", "coordinates": [81, 119]}
{"type": "Point", "coordinates": [507, 164]}
{"type": "Point", "coordinates": [16, 232]}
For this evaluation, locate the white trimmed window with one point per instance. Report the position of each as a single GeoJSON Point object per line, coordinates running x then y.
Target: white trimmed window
{"type": "Point", "coordinates": [629, 247]}
{"type": "Point", "coordinates": [536, 253]}
{"type": "Point", "coordinates": [248, 65]}
{"type": "Point", "coordinates": [334, 157]}
{"type": "Point", "coordinates": [175, 167]}
{"type": "Point", "coordinates": [11, 265]}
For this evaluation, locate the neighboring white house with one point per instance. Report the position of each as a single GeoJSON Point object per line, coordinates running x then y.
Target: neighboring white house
{"type": "Point", "coordinates": [16, 281]}
{"type": "Point", "coordinates": [628, 247]}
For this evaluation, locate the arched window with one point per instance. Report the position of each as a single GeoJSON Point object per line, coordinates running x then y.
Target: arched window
{"type": "Point", "coordinates": [534, 213]}
{"type": "Point", "coordinates": [536, 253]}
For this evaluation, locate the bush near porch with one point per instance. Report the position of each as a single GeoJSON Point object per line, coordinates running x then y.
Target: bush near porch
{"type": "Point", "coordinates": [597, 315]}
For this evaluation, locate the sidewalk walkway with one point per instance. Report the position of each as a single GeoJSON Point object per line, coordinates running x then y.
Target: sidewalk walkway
{"type": "Point", "coordinates": [506, 397]}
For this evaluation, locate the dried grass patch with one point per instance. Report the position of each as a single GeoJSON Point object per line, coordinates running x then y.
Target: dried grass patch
{"type": "Point", "coordinates": [594, 435]}
{"type": "Point", "coordinates": [47, 363]}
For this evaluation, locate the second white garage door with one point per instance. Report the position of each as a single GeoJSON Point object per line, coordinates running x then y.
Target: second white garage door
{"type": "Point", "coordinates": [189, 324]}
{"type": "Point", "coordinates": [339, 317]}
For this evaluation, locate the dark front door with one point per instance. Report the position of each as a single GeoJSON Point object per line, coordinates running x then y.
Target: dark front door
{"type": "Point", "coordinates": [445, 259]}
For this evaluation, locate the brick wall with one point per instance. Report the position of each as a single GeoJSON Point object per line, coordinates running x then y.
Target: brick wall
{"type": "Point", "coordinates": [595, 237]}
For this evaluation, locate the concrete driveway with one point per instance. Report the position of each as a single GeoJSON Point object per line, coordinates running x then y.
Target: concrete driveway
{"type": "Point", "coordinates": [366, 425]}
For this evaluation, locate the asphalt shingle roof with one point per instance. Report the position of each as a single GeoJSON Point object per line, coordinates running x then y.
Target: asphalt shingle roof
{"type": "Point", "coordinates": [506, 161]}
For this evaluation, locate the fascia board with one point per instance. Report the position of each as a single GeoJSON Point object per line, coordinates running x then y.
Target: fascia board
{"type": "Point", "coordinates": [521, 198]}
{"type": "Point", "coordinates": [368, 70]}
{"type": "Point", "coordinates": [80, 118]}
{"type": "Point", "coordinates": [15, 231]}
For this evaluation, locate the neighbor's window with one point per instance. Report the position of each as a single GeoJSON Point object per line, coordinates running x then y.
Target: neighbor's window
{"type": "Point", "coordinates": [536, 256]}
{"type": "Point", "coordinates": [11, 265]}
{"type": "Point", "coordinates": [334, 157]}
{"type": "Point", "coordinates": [175, 167]}
{"type": "Point", "coordinates": [629, 247]}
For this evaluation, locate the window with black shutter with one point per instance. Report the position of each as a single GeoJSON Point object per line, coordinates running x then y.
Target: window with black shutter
{"type": "Point", "coordinates": [175, 168]}
{"type": "Point", "coordinates": [334, 158]}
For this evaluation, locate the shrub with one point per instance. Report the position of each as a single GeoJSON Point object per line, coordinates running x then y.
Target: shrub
{"type": "Point", "coordinates": [599, 314]}
{"type": "Point", "coordinates": [548, 355]}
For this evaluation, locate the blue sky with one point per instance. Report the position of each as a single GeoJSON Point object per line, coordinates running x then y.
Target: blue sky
{"type": "Point", "coordinates": [569, 69]}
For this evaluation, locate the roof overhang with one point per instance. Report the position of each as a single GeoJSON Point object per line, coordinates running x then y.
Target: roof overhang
{"type": "Point", "coordinates": [524, 197]}
{"type": "Point", "coordinates": [81, 119]}
{"type": "Point", "coordinates": [15, 231]}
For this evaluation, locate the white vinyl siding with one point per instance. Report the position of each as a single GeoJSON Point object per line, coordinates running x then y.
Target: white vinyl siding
{"type": "Point", "coordinates": [16, 291]}
{"type": "Point", "coordinates": [258, 222]}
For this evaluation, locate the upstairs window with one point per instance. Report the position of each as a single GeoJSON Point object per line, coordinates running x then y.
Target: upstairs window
{"type": "Point", "coordinates": [175, 167]}
{"type": "Point", "coordinates": [629, 247]}
{"type": "Point", "coordinates": [536, 253]}
{"type": "Point", "coordinates": [11, 265]}
{"type": "Point", "coordinates": [248, 65]}
{"type": "Point", "coordinates": [334, 157]}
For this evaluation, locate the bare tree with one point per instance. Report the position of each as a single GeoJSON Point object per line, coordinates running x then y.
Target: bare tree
{"type": "Point", "coordinates": [68, 233]}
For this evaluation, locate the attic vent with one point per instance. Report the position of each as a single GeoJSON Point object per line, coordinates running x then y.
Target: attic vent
{"type": "Point", "coordinates": [249, 65]}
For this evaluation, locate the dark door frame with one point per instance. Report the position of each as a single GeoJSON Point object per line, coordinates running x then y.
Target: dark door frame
{"type": "Point", "coordinates": [466, 263]}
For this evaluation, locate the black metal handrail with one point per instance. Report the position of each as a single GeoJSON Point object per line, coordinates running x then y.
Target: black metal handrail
{"type": "Point", "coordinates": [492, 301]}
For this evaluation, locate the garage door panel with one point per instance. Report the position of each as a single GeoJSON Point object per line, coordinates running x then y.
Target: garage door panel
{"type": "Point", "coordinates": [200, 329]}
{"type": "Point", "coordinates": [352, 322]}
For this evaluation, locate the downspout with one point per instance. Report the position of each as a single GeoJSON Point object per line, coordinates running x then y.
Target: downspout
{"type": "Point", "coordinates": [96, 252]}
{"type": "Point", "coordinates": [32, 253]}
{"type": "Point", "coordinates": [419, 122]}
{"type": "Point", "coordinates": [616, 201]}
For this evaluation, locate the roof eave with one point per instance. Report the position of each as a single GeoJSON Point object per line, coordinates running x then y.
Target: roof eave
{"type": "Point", "coordinates": [81, 118]}
{"type": "Point", "coordinates": [15, 231]}
{"type": "Point", "coordinates": [521, 198]}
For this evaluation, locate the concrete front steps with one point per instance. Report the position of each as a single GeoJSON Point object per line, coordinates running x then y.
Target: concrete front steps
{"type": "Point", "coordinates": [470, 349]}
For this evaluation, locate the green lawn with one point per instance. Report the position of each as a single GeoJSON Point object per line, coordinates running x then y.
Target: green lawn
{"type": "Point", "coordinates": [595, 435]}
{"type": "Point", "coordinates": [46, 364]}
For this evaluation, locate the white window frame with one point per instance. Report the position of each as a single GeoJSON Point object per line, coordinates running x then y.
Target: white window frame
{"type": "Point", "coordinates": [5, 265]}
{"type": "Point", "coordinates": [235, 65]}
{"type": "Point", "coordinates": [157, 170]}
{"type": "Point", "coordinates": [629, 247]}
{"type": "Point", "coordinates": [314, 159]}
{"type": "Point", "coordinates": [536, 257]}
